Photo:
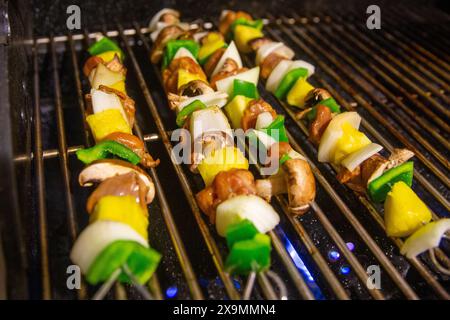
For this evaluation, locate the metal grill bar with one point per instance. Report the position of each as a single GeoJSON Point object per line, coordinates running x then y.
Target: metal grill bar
{"type": "Point", "coordinates": [424, 123]}
{"type": "Point", "coordinates": [40, 178]}
{"type": "Point", "coordinates": [371, 209]}
{"type": "Point", "coordinates": [409, 125]}
{"type": "Point", "coordinates": [292, 270]}
{"type": "Point", "coordinates": [374, 113]}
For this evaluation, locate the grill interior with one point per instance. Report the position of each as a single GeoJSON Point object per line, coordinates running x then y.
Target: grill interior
{"type": "Point", "coordinates": [396, 78]}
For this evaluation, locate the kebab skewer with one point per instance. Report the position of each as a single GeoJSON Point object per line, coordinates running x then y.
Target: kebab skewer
{"type": "Point", "coordinates": [230, 198]}
{"type": "Point", "coordinates": [114, 246]}
{"type": "Point", "coordinates": [357, 160]}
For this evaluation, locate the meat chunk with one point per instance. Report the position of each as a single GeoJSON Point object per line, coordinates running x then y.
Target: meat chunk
{"type": "Point", "coordinates": [136, 145]}
{"type": "Point", "coordinates": [170, 74]}
{"type": "Point", "coordinates": [229, 68]}
{"type": "Point", "coordinates": [254, 108]}
{"type": "Point", "coordinates": [213, 60]}
{"type": "Point", "coordinates": [320, 123]}
{"type": "Point", "coordinates": [166, 34]}
{"type": "Point", "coordinates": [226, 185]}
{"type": "Point", "coordinates": [257, 43]}
{"type": "Point", "coordinates": [269, 63]}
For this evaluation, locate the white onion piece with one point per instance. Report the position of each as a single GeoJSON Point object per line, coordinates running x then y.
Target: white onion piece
{"type": "Point", "coordinates": [104, 76]}
{"type": "Point", "coordinates": [263, 120]}
{"type": "Point", "coordinates": [154, 22]}
{"type": "Point", "coordinates": [226, 85]}
{"type": "Point", "coordinates": [303, 64]}
{"type": "Point", "coordinates": [353, 160]}
{"type": "Point", "coordinates": [286, 52]}
{"type": "Point", "coordinates": [265, 50]}
{"type": "Point", "coordinates": [102, 101]}
{"type": "Point", "coordinates": [218, 99]}
{"type": "Point", "coordinates": [96, 237]}
{"type": "Point", "coordinates": [250, 207]}
{"type": "Point", "coordinates": [183, 52]}
{"type": "Point", "coordinates": [232, 53]}
{"type": "Point", "coordinates": [333, 132]}
{"type": "Point", "coordinates": [277, 75]}
{"type": "Point", "coordinates": [263, 137]}
{"type": "Point", "coordinates": [211, 119]}
{"type": "Point", "coordinates": [199, 35]}
{"type": "Point", "coordinates": [427, 237]}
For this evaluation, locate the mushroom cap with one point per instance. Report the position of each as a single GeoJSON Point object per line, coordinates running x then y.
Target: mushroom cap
{"type": "Point", "coordinates": [300, 184]}
{"type": "Point", "coordinates": [101, 170]}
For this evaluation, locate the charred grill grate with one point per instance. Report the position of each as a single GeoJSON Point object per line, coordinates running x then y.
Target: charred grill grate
{"type": "Point", "coordinates": [395, 78]}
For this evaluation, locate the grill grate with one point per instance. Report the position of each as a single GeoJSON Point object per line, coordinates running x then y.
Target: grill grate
{"type": "Point", "coordinates": [407, 74]}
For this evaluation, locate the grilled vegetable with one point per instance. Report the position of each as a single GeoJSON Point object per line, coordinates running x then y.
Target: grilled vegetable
{"type": "Point", "coordinates": [277, 130]}
{"type": "Point", "coordinates": [103, 45]}
{"type": "Point", "coordinates": [351, 141]}
{"type": "Point", "coordinates": [226, 85]}
{"type": "Point", "coordinates": [230, 53]}
{"type": "Point", "coordinates": [185, 77]}
{"type": "Point", "coordinates": [264, 120]}
{"type": "Point", "coordinates": [101, 75]}
{"type": "Point", "coordinates": [102, 100]}
{"type": "Point", "coordinates": [379, 187]}
{"type": "Point", "coordinates": [122, 209]}
{"type": "Point", "coordinates": [249, 255]}
{"type": "Point", "coordinates": [207, 120]}
{"type": "Point", "coordinates": [296, 96]}
{"type": "Point", "coordinates": [106, 122]}
{"type": "Point", "coordinates": [211, 42]}
{"type": "Point", "coordinates": [354, 159]}
{"type": "Point", "coordinates": [218, 99]}
{"type": "Point", "coordinates": [105, 149]}
{"type": "Point", "coordinates": [243, 34]}
{"type": "Point", "coordinates": [244, 88]}
{"type": "Point", "coordinates": [141, 261]}
{"type": "Point", "coordinates": [404, 212]}
{"type": "Point", "coordinates": [243, 230]}
{"type": "Point", "coordinates": [250, 207]}
{"type": "Point", "coordinates": [97, 237]}
{"type": "Point", "coordinates": [235, 110]}
{"type": "Point", "coordinates": [288, 82]}
{"type": "Point", "coordinates": [427, 237]}
{"type": "Point", "coordinates": [173, 46]}
{"type": "Point", "coordinates": [223, 159]}
{"type": "Point", "coordinates": [330, 103]}
{"type": "Point", "coordinates": [334, 132]}
{"type": "Point", "coordinates": [188, 110]}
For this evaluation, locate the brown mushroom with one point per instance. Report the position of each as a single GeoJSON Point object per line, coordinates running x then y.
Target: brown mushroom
{"type": "Point", "coordinates": [315, 96]}
{"type": "Point", "coordinates": [101, 170]}
{"type": "Point", "coordinates": [195, 88]}
{"type": "Point", "coordinates": [296, 179]}
{"type": "Point", "coordinates": [257, 43]}
{"type": "Point", "coordinates": [398, 156]}
{"type": "Point", "coordinates": [128, 184]}
{"type": "Point", "coordinates": [166, 34]}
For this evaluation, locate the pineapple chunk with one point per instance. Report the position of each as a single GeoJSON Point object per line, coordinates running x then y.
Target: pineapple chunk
{"type": "Point", "coordinates": [243, 34]}
{"type": "Point", "coordinates": [221, 160]}
{"type": "Point", "coordinates": [297, 94]}
{"type": "Point", "coordinates": [404, 212]}
{"type": "Point", "coordinates": [351, 141]}
{"type": "Point", "coordinates": [106, 122]}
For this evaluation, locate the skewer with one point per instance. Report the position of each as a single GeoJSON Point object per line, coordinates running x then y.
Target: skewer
{"type": "Point", "coordinates": [249, 286]}
{"type": "Point", "coordinates": [106, 286]}
{"type": "Point", "coordinates": [142, 290]}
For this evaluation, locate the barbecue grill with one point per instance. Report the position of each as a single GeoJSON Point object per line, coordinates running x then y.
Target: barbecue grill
{"type": "Point", "coordinates": [397, 78]}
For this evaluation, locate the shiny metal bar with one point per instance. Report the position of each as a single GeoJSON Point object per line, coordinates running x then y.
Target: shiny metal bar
{"type": "Point", "coordinates": [40, 178]}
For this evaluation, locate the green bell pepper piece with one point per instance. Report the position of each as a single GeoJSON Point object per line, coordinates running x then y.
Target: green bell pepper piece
{"type": "Point", "coordinates": [187, 111]}
{"type": "Point", "coordinates": [105, 149]}
{"type": "Point", "coordinates": [330, 103]}
{"type": "Point", "coordinates": [141, 261]}
{"type": "Point", "coordinates": [288, 82]}
{"type": "Point", "coordinates": [103, 45]}
{"type": "Point", "coordinates": [257, 24]}
{"type": "Point", "coordinates": [244, 88]}
{"type": "Point", "coordinates": [285, 157]}
{"type": "Point", "coordinates": [277, 126]}
{"type": "Point", "coordinates": [249, 255]}
{"type": "Point", "coordinates": [172, 47]}
{"type": "Point", "coordinates": [380, 187]}
{"type": "Point", "coordinates": [243, 230]}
